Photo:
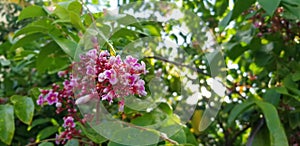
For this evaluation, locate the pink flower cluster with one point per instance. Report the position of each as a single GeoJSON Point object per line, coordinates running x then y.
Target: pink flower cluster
{"type": "Point", "coordinates": [96, 76]}
{"type": "Point", "coordinates": [64, 101]}
{"type": "Point", "coordinates": [115, 79]}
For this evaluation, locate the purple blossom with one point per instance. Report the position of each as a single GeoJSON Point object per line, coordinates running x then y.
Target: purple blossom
{"type": "Point", "coordinates": [131, 79]}
{"type": "Point", "coordinates": [41, 100]}
{"type": "Point", "coordinates": [51, 97]}
{"type": "Point", "coordinates": [101, 77]}
{"type": "Point", "coordinates": [140, 87]}
{"type": "Point", "coordinates": [109, 96]}
{"type": "Point", "coordinates": [90, 70]}
{"type": "Point", "coordinates": [121, 105]}
{"type": "Point", "coordinates": [130, 60]}
{"type": "Point", "coordinates": [69, 122]}
{"type": "Point", "coordinates": [92, 54]}
{"type": "Point", "coordinates": [140, 68]}
{"type": "Point", "coordinates": [111, 75]}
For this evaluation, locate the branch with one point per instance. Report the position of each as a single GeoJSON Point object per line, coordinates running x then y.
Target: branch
{"type": "Point", "coordinates": [254, 132]}
{"type": "Point", "coordinates": [88, 10]}
{"type": "Point", "coordinates": [54, 139]}
{"type": "Point", "coordinates": [178, 64]}
{"type": "Point", "coordinates": [240, 132]}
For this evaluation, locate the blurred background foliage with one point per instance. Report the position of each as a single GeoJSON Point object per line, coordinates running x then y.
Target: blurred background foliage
{"type": "Point", "coordinates": [260, 43]}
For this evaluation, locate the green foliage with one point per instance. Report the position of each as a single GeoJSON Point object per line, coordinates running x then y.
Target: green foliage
{"type": "Point", "coordinates": [260, 46]}
{"type": "Point", "coordinates": [277, 134]}
{"type": "Point", "coordinates": [23, 107]}
{"type": "Point", "coordinates": [32, 11]}
{"type": "Point", "coordinates": [7, 126]}
{"type": "Point", "coordinates": [91, 134]}
{"type": "Point", "coordinates": [269, 6]}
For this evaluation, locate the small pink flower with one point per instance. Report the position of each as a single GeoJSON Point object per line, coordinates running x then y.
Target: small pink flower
{"type": "Point", "coordinates": [130, 60]}
{"type": "Point", "coordinates": [104, 53]}
{"type": "Point", "coordinates": [121, 105]}
{"type": "Point", "coordinates": [140, 87]}
{"type": "Point", "coordinates": [69, 122]}
{"type": "Point", "coordinates": [111, 75]}
{"type": "Point", "coordinates": [92, 54]}
{"type": "Point", "coordinates": [140, 68]}
{"type": "Point", "coordinates": [109, 96]}
{"type": "Point", "coordinates": [52, 97]}
{"type": "Point", "coordinates": [130, 79]}
{"type": "Point", "coordinates": [62, 74]}
{"type": "Point", "coordinates": [90, 70]}
{"type": "Point", "coordinates": [101, 77]}
{"type": "Point", "coordinates": [57, 139]}
{"type": "Point", "coordinates": [41, 100]}
{"type": "Point", "coordinates": [118, 60]}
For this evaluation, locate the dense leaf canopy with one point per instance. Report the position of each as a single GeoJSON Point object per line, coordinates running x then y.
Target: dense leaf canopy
{"type": "Point", "coordinates": [257, 41]}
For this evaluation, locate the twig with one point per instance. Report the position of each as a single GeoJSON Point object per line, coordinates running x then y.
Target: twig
{"type": "Point", "coordinates": [254, 132]}
{"type": "Point", "coordinates": [89, 12]}
{"type": "Point", "coordinates": [54, 139]}
{"type": "Point", "coordinates": [239, 133]}
{"type": "Point", "coordinates": [178, 64]}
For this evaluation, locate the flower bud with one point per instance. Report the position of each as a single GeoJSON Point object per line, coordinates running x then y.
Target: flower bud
{"type": "Point", "coordinates": [58, 105]}
{"type": "Point", "coordinates": [83, 99]}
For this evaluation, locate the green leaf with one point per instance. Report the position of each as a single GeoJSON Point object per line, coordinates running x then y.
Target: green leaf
{"type": "Point", "coordinates": [294, 120]}
{"type": "Point", "coordinates": [76, 21]}
{"type": "Point", "coordinates": [272, 96]}
{"type": "Point", "coordinates": [262, 58]}
{"type": "Point", "coordinates": [68, 46]}
{"type": "Point", "coordinates": [282, 90]}
{"type": "Point", "coordinates": [24, 108]}
{"type": "Point", "coordinates": [133, 136]}
{"type": "Point", "coordinates": [152, 30]}
{"type": "Point", "coordinates": [221, 6]}
{"type": "Point", "coordinates": [27, 39]}
{"type": "Point", "coordinates": [111, 143]}
{"type": "Point", "coordinates": [35, 92]}
{"type": "Point", "coordinates": [7, 123]}
{"type": "Point", "coordinates": [224, 22]}
{"type": "Point", "coordinates": [46, 132]}
{"type": "Point", "coordinates": [144, 120]}
{"type": "Point", "coordinates": [72, 142]}
{"type": "Point", "coordinates": [75, 6]}
{"type": "Point", "coordinates": [277, 133]}
{"type": "Point", "coordinates": [190, 137]}
{"type": "Point", "coordinates": [262, 137]}
{"type": "Point", "coordinates": [237, 110]}
{"type": "Point", "coordinates": [52, 59]}
{"type": "Point", "coordinates": [61, 12]}
{"type": "Point", "coordinates": [291, 8]}
{"type": "Point", "coordinates": [291, 86]}
{"type": "Point", "coordinates": [46, 144]}
{"type": "Point", "coordinates": [38, 122]}
{"type": "Point", "coordinates": [241, 6]}
{"type": "Point", "coordinates": [91, 134]}
{"type": "Point", "coordinates": [269, 6]}
{"type": "Point", "coordinates": [165, 107]}
{"type": "Point", "coordinates": [42, 26]}
{"type": "Point", "coordinates": [296, 76]}
{"type": "Point", "coordinates": [32, 11]}
{"type": "Point", "coordinates": [179, 137]}
{"type": "Point", "coordinates": [255, 69]}
{"type": "Point", "coordinates": [235, 50]}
